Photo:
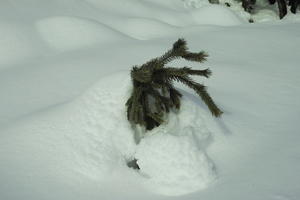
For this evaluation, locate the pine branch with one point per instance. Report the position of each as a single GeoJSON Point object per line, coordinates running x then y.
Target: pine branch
{"type": "Point", "coordinates": [157, 118]}
{"type": "Point", "coordinates": [153, 94]}
{"type": "Point", "coordinates": [186, 71]}
{"type": "Point", "coordinates": [206, 72]}
{"type": "Point", "coordinates": [135, 108]}
{"type": "Point", "coordinates": [175, 97]}
{"type": "Point", "coordinates": [162, 101]}
{"type": "Point", "coordinates": [197, 57]}
{"type": "Point", "coordinates": [179, 50]}
{"type": "Point", "coordinates": [142, 75]}
{"type": "Point", "coordinates": [201, 91]}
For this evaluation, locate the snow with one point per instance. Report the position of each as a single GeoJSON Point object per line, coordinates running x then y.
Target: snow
{"type": "Point", "coordinates": [216, 15]}
{"type": "Point", "coordinates": [158, 153]}
{"type": "Point", "coordinates": [65, 78]}
{"type": "Point", "coordinates": [92, 138]}
{"type": "Point", "coordinates": [16, 43]}
{"type": "Point", "coordinates": [69, 33]}
{"type": "Point", "coordinates": [138, 28]}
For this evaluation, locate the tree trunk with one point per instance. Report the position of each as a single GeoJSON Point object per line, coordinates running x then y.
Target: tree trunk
{"type": "Point", "coordinates": [294, 4]}
{"type": "Point", "coordinates": [282, 8]}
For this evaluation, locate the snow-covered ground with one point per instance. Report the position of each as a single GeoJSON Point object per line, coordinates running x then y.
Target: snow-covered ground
{"type": "Point", "coordinates": [65, 77]}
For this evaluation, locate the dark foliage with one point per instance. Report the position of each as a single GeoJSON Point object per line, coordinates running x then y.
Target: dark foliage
{"type": "Point", "coordinates": [133, 164]}
{"type": "Point", "coordinates": [249, 5]}
{"type": "Point", "coordinates": [153, 93]}
{"type": "Point", "coordinates": [294, 5]}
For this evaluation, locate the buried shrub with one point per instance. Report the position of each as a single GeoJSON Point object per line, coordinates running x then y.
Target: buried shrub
{"type": "Point", "coordinates": [249, 6]}
{"type": "Point", "coordinates": [154, 95]}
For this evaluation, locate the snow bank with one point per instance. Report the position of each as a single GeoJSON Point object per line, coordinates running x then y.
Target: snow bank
{"type": "Point", "coordinates": [68, 33]}
{"type": "Point", "coordinates": [91, 136]}
{"type": "Point", "coordinates": [145, 29]}
{"type": "Point", "coordinates": [172, 156]}
{"type": "Point", "coordinates": [216, 15]}
{"type": "Point", "coordinates": [195, 3]}
{"type": "Point", "coordinates": [263, 12]}
{"type": "Point", "coordinates": [100, 120]}
{"type": "Point", "coordinates": [78, 149]}
{"type": "Point", "coordinates": [174, 164]}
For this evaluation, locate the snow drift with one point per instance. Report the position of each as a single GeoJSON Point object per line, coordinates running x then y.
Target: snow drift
{"type": "Point", "coordinates": [92, 136]}
{"type": "Point", "coordinates": [64, 80]}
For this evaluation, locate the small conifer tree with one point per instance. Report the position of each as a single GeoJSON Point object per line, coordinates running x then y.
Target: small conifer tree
{"type": "Point", "coordinates": [153, 93]}
{"type": "Point", "coordinates": [282, 5]}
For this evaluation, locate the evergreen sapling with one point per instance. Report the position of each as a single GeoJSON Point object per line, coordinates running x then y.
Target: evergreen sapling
{"type": "Point", "coordinates": [153, 94]}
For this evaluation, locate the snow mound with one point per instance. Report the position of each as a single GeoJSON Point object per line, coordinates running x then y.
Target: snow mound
{"type": "Point", "coordinates": [144, 29]}
{"type": "Point", "coordinates": [68, 33]}
{"type": "Point", "coordinates": [216, 15]}
{"type": "Point", "coordinates": [171, 157]}
{"type": "Point", "coordinates": [265, 15]}
{"type": "Point", "coordinates": [104, 138]}
{"type": "Point", "coordinates": [195, 3]}
{"type": "Point", "coordinates": [174, 164]}
{"type": "Point", "coordinates": [92, 137]}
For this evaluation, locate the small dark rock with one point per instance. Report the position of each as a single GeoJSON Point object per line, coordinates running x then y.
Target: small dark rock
{"type": "Point", "coordinates": [133, 164]}
{"type": "Point", "coordinates": [227, 4]}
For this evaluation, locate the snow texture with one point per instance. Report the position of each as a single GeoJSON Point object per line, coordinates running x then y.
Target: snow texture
{"type": "Point", "coordinates": [65, 78]}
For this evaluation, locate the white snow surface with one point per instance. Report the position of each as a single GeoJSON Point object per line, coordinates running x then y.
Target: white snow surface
{"type": "Point", "coordinates": [65, 77]}
{"type": "Point", "coordinates": [69, 33]}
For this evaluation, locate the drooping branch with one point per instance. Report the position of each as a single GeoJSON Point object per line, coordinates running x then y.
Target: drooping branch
{"type": "Point", "coordinates": [153, 94]}
{"type": "Point", "coordinates": [201, 91]}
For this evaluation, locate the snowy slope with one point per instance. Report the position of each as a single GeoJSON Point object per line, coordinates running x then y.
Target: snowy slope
{"type": "Point", "coordinates": [64, 80]}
